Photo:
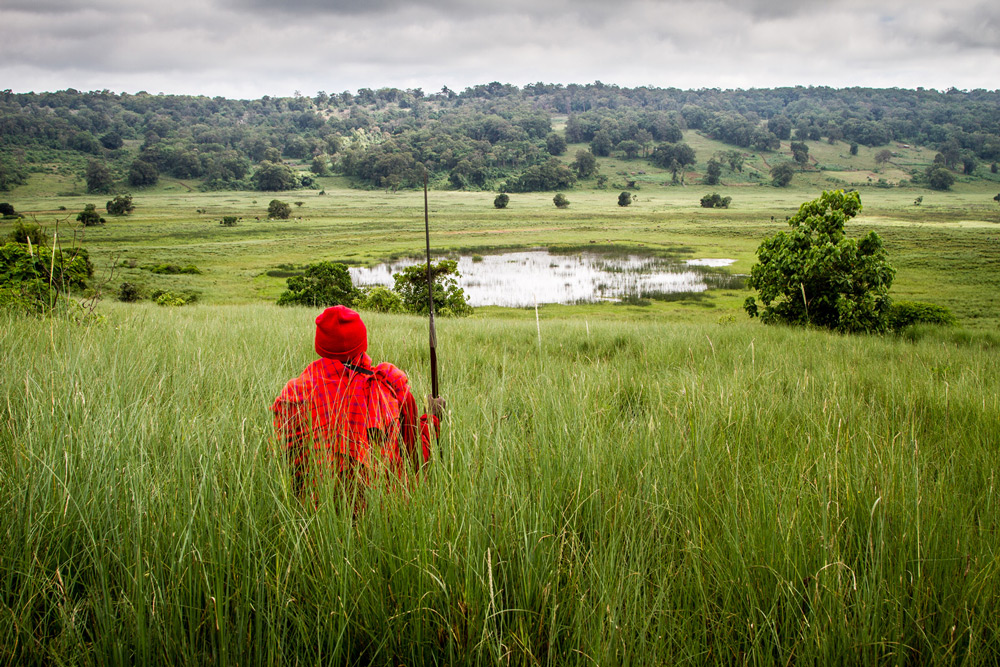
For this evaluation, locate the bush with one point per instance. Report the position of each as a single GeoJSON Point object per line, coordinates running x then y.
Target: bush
{"type": "Point", "coordinates": [228, 221]}
{"type": "Point", "coordinates": [278, 210]}
{"type": "Point", "coordinates": [23, 233]}
{"type": "Point", "coordinates": [7, 210]}
{"type": "Point", "coordinates": [120, 205]}
{"type": "Point", "coordinates": [903, 314]}
{"type": "Point", "coordinates": [89, 216]}
{"type": "Point", "coordinates": [815, 275]}
{"type": "Point", "coordinates": [625, 199]}
{"type": "Point", "coordinates": [449, 298]}
{"type": "Point", "coordinates": [714, 200]}
{"type": "Point", "coordinates": [501, 201]}
{"type": "Point", "coordinates": [128, 293]}
{"type": "Point", "coordinates": [321, 285]}
{"type": "Point", "coordinates": [560, 201]}
{"type": "Point", "coordinates": [381, 300]}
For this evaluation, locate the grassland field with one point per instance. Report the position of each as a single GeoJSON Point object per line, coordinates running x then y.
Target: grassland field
{"type": "Point", "coordinates": [615, 485]}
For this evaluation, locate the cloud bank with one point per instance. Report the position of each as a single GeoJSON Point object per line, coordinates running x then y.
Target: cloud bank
{"type": "Point", "coordinates": [249, 48]}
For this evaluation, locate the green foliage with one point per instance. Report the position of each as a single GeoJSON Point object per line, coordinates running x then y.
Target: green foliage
{"type": "Point", "coordinates": [800, 152]}
{"type": "Point", "coordinates": [7, 210]}
{"type": "Point", "coordinates": [32, 279]}
{"type": "Point", "coordinates": [129, 292]}
{"type": "Point", "coordinates": [278, 210]}
{"type": "Point", "coordinates": [320, 165]}
{"type": "Point", "coordinates": [854, 148]}
{"type": "Point", "coordinates": [229, 221]}
{"type": "Point", "coordinates": [120, 205]}
{"type": "Point", "coordinates": [172, 269]}
{"type": "Point", "coordinates": [98, 177]}
{"type": "Point", "coordinates": [449, 298]}
{"type": "Point", "coordinates": [12, 173]}
{"type": "Point", "coordinates": [555, 144]}
{"type": "Point", "coordinates": [940, 178]}
{"type": "Point", "coordinates": [815, 275]}
{"type": "Point", "coordinates": [584, 164]}
{"type": "Point", "coordinates": [713, 172]}
{"type": "Point", "coordinates": [165, 298]}
{"type": "Point", "coordinates": [501, 200]}
{"type": "Point", "coordinates": [625, 199]}
{"type": "Point", "coordinates": [143, 174]}
{"type": "Point", "coordinates": [668, 155]}
{"type": "Point", "coordinates": [321, 285]}
{"type": "Point", "coordinates": [781, 174]}
{"type": "Point", "coordinates": [560, 200]}
{"type": "Point", "coordinates": [24, 232]}
{"type": "Point", "coordinates": [715, 200]}
{"type": "Point", "coordinates": [380, 299]}
{"type": "Point", "coordinates": [550, 175]}
{"type": "Point", "coordinates": [89, 216]}
{"type": "Point", "coordinates": [903, 314]}
{"type": "Point", "coordinates": [274, 177]}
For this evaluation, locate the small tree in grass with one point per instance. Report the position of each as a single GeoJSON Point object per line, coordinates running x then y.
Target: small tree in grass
{"type": "Point", "coordinates": [449, 298]}
{"type": "Point", "coordinates": [715, 200]}
{"type": "Point", "coordinates": [781, 175]}
{"type": "Point", "coordinates": [89, 216]}
{"type": "Point", "coordinates": [278, 210]}
{"type": "Point", "coordinates": [814, 274]}
{"type": "Point", "coordinates": [501, 200]}
{"type": "Point", "coordinates": [321, 285]}
{"type": "Point", "coordinates": [120, 205]}
{"type": "Point", "coordinates": [624, 199]}
{"type": "Point", "coordinates": [560, 201]}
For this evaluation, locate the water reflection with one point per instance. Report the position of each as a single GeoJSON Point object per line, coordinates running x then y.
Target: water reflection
{"type": "Point", "coordinates": [518, 279]}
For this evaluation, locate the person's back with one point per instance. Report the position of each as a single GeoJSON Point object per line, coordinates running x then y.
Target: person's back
{"type": "Point", "coordinates": [345, 418]}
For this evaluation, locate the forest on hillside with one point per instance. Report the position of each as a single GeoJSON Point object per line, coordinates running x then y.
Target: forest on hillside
{"type": "Point", "coordinates": [492, 136]}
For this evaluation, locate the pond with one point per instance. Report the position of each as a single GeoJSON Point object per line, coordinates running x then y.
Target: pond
{"type": "Point", "coordinates": [521, 279]}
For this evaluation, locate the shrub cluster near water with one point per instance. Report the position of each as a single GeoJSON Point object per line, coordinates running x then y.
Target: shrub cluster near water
{"type": "Point", "coordinates": [603, 494]}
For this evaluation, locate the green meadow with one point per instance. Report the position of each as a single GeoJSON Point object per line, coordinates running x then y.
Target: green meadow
{"type": "Point", "coordinates": [615, 484]}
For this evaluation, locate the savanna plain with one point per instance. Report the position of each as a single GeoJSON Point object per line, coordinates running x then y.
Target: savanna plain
{"type": "Point", "coordinates": [669, 483]}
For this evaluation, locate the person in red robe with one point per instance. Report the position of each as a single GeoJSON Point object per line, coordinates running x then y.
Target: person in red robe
{"type": "Point", "coordinates": [345, 419]}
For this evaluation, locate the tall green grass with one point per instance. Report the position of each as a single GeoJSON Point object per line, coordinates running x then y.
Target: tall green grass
{"type": "Point", "coordinates": [608, 494]}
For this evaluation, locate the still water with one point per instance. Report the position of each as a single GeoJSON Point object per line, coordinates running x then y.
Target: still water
{"type": "Point", "coordinates": [519, 279]}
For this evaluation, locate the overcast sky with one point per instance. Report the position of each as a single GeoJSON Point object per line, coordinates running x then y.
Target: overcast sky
{"type": "Point", "coordinates": [250, 48]}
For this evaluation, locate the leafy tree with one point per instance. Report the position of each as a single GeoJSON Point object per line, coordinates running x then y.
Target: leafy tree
{"type": "Point", "coordinates": [12, 173]}
{"type": "Point", "coordinates": [380, 299]}
{"type": "Point", "coordinates": [800, 152]}
{"type": "Point", "coordinates": [143, 174]}
{"type": "Point", "coordinates": [449, 298]}
{"type": "Point", "coordinates": [585, 164]}
{"type": "Point", "coordinates": [630, 148]}
{"type": "Point", "coordinates": [854, 148]}
{"type": "Point", "coordinates": [322, 284]}
{"type": "Point", "coordinates": [883, 156]}
{"type": "Point", "coordinates": [715, 200]}
{"type": "Point", "coordinates": [560, 200]}
{"type": "Point", "coordinates": [781, 175]}
{"type": "Point", "coordinates": [320, 165]}
{"type": "Point", "coordinates": [780, 126]}
{"type": "Point", "coordinates": [274, 177]}
{"type": "Point", "coordinates": [815, 275]}
{"type": "Point", "coordinates": [98, 177]}
{"type": "Point", "coordinates": [501, 200]}
{"type": "Point", "coordinates": [735, 160]}
{"type": "Point", "coordinates": [89, 216]}
{"type": "Point", "coordinates": [120, 205]}
{"type": "Point", "coordinates": [112, 141]}
{"type": "Point", "coordinates": [601, 144]}
{"type": "Point", "coordinates": [278, 210]}
{"type": "Point", "coordinates": [555, 144]}
{"type": "Point", "coordinates": [713, 172]}
{"type": "Point", "coordinates": [940, 178]}
{"type": "Point", "coordinates": [666, 154]}
{"type": "Point", "coordinates": [624, 199]}
{"type": "Point", "coordinates": [129, 292]}
{"type": "Point", "coordinates": [25, 233]}
{"type": "Point", "coordinates": [7, 210]}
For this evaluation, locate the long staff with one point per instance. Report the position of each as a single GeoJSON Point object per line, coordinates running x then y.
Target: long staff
{"type": "Point", "coordinates": [430, 296]}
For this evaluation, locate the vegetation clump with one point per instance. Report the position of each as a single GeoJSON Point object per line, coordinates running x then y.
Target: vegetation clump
{"type": "Point", "coordinates": [814, 274]}
{"type": "Point", "coordinates": [89, 216]}
{"type": "Point", "coordinates": [715, 200]}
{"type": "Point", "coordinates": [625, 199]}
{"type": "Point", "coordinates": [120, 205]}
{"type": "Point", "coordinates": [129, 292]}
{"type": "Point", "coordinates": [560, 200]}
{"type": "Point", "coordinates": [501, 200]}
{"type": "Point", "coordinates": [278, 210]}
{"type": "Point", "coordinates": [903, 314]}
{"type": "Point", "coordinates": [449, 298]}
{"type": "Point", "coordinates": [321, 285]}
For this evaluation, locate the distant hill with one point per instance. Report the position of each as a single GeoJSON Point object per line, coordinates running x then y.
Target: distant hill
{"type": "Point", "coordinates": [490, 136]}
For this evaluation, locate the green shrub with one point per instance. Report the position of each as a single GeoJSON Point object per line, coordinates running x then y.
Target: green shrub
{"type": "Point", "coordinates": [128, 293]}
{"type": "Point", "coordinates": [381, 300]}
{"type": "Point", "coordinates": [560, 201]}
{"type": "Point", "coordinates": [120, 205]}
{"type": "Point", "coordinates": [449, 298]}
{"type": "Point", "coordinates": [228, 221]}
{"type": "Point", "coordinates": [903, 314]}
{"type": "Point", "coordinates": [89, 216]}
{"type": "Point", "coordinates": [501, 200]}
{"type": "Point", "coordinates": [321, 285]}
{"type": "Point", "coordinates": [715, 200]}
{"type": "Point", "coordinates": [625, 199]}
{"type": "Point", "coordinates": [278, 210]}
{"type": "Point", "coordinates": [23, 233]}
